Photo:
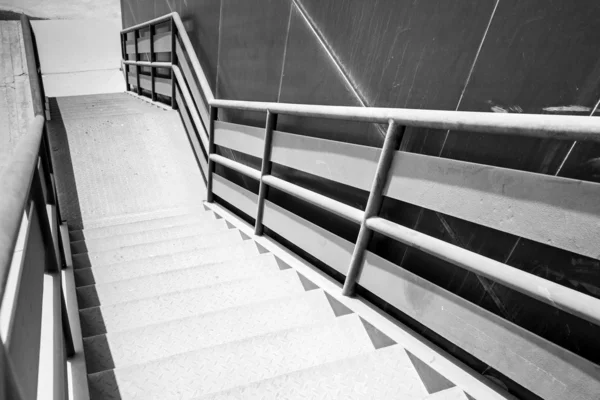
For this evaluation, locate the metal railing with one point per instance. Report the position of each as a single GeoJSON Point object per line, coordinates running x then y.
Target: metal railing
{"type": "Point", "coordinates": [540, 126]}
{"type": "Point", "coordinates": [28, 188]}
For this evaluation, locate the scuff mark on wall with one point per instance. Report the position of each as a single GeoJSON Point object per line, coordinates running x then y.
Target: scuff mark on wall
{"type": "Point", "coordinates": [497, 108]}
{"type": "Point", "coordinates": [571, 108]}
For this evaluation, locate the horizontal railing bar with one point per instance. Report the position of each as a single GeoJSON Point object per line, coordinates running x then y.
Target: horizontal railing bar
{"type": "Point", "coordinates": [16, 179]}
{"type": "Point", "coordinates": [334, 206]}
{"type": "Point", "coordinates": [236, 166]}
{"type": "Point", "coordinates": [153, 64]}
{"type": "Point", "coordinates": [148, 23]}
{"type": "Point", "coordinates": [569, 300]}
{"type": "Point", "coordinates": [565, 127]}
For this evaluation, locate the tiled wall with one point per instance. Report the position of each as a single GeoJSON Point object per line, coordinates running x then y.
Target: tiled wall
{"type": "Point", "coordinates": [529, 56]}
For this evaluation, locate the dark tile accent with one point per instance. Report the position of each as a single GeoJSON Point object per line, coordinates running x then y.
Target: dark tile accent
{"type": "Point", "coordinates": [97, 354]}
{"type": "Point", "coordinates": [261, 249]}
{"type": "Point", "coordinates": [84, 277]}
{"type": "Point", "coordinates": [434, 382]}
{"type": "Point", "coordinates": [244, 236]}
{"type": "Point", "coordinates": [230, 226]}
{"type": "Point", "coordinates": [87, 297]}
{"type": "Point", "coordinates": [378, 338]}
{"type": "Point", "coordinates": [92, 322]}
{"type": "Point", "coordinates": [282, 264]}
{"type": "Point", "coordinates": [306, 283]}
{"type": "Point", "coordinates": [338, 308]}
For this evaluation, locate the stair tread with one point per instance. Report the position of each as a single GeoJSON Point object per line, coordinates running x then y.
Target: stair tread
{"type": "Point", "coordinates": [140, 226]}
{"type": "Point", "coordinates": [217, 368]}
{"type": "Point", "coordinates": [169, 262]}
{"type": "Point", "coordinates": [384, 374]}
{"type": "Point", "coordinates": [174, 281]}
{"type": "Point", "coordinates": [116, 350]}
{"type": "Point", "coordinates": [93, 223]}
{"type": "Point", "coordinates": [148, 236]}
{"type": "Point", "coordinates": [130, 253]}
{"type": "Point", "coordinates": [137, 313]}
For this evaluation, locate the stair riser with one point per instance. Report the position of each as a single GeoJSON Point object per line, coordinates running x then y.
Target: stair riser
{"type": "Point", "coordinates": [159, 223]}
{"type": "Point", "coordinates": [161, 264]}
{"type": "Point", "coordinates": [126, 316]}
{"type": "Point", "coordinates": [131, 253]}
{"type": "Point", "coordinates": [171, 282]}
{"type": "Point", "coordinates": [177, 337]}
{"type": "Point", "coordinates": [133, 239]}
{"type": "Point", "coordinates": [223, 367]}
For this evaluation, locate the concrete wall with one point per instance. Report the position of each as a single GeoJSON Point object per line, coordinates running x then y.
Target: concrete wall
{"type": "Point", "coordinates": [529, 56]}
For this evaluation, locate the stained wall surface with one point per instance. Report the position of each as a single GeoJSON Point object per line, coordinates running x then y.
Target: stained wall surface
{"type": "Point", "coordinates": [509, 56]}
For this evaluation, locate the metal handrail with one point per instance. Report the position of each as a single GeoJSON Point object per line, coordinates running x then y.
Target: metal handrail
{"type": "Point", "coordinates": [27, 177]}
{"type": "Point", "coordinates": [541, 126]}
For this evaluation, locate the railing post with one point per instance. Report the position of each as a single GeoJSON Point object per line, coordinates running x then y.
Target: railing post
{"type": "Point", "coordinates": [174, 62]}
{"type": "Point", "coordinates": [136, 35]}
{"type": "Point", "coordinates": [390, 144]}
{"type": "Point", "coordinates": [124, 55]}
{"type": "Point", "coordinates": [265, 170]}
{"type": "Point", "coordinates": [152, 59]}
{"type": "Point", "coordinates": [209, 151]}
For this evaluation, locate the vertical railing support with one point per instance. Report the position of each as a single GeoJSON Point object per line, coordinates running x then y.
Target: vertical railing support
{"type": "Point", "coordinates": [265, 170]}
{"type": "Point", "coordinates": [209, 151]}
{"type": "Point", "coordinates": [174, 62]}
{"type": "Point", "coordinates": [152, 59]}
{"type": "Point", "coordinates": [125, 66]}
{"type": "Point", "coordinates": [390, 145]}
{"type": "Point", "coordinates": [138, 69]}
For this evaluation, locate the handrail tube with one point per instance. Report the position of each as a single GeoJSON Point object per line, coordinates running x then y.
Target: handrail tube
{"type": "Point", "coordinates": [564, 127]}
{"type": "Point", "coordinates": [338, 208]}
{"type": "Point", "coordinates": [151, 64]}
{"type": "Point", "coordinates": [16, 179]}
{"type": "Point", "coordinates": [37, 96]}
{"type": "Point", "coordinates": [561, 297]}
{"type": "Point", "coordinates": [154, 21]}
{"type": "Point", "coordinates": [236, 166]}
{"type": "Point", "coordinates": [187, 44]}
{"type": "Point", "coordinates": [185, 92]}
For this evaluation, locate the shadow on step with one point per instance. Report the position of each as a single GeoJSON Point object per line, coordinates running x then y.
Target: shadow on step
{"type": "Point", "coordinates": [103, 385]}
{"type": "Point", "coordinates": [64, 173]}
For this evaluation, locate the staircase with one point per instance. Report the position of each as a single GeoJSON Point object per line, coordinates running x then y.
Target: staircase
{"type": "Point", "coordinates": [175, 302]}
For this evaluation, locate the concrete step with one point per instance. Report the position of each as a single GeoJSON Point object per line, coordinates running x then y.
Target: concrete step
{"type": "Point", "coordinates": [218, 368]}
{"type": "Point", "coordinates": [99, 113]}
{"type": "Point", "coordinates": [380, 375]}
{"type": "Point", "coordinates": [149, 236]}
{"type": "Point", "coordinates": [175, 281]}
{"type": "Point", "coordinates": [140, 226]}
{"type": "Point", "coordinates": [134, 314]}
{"type": "Point", "coordinates": [137, 346]}
{"type": "Point", "coordinates": [130, 253]}
{"type": "Point", "coordinates": [139, 217]}
{"type": "Point", "coordinates": [159, 264]}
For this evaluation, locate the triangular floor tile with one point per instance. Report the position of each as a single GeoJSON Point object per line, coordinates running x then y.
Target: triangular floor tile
{"type": "Point", "coordinates": [281, 264]}
{"type": "Point", "coordinates": [433, 381]}
{"type": "Point", "coordinates": [338, 308]}
{"type": "Point", "coordinates": [307, 284]}
{"type": "Point", "coordinates": [261, 249]}
{"type": "Point", "coordinates": [378, 338]}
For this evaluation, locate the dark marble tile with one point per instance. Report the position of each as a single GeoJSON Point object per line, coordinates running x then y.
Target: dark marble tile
{"type": "Point", "coordinates": [403, 53]}
{"type": "Point", "coordinates": [250, 56]}
{"type": "Point", "coordinates": [539, 56]}
{"type": "Point", "coordinates": [311, 77]}
{"type": "Point", "coordinates": [201, 20]}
